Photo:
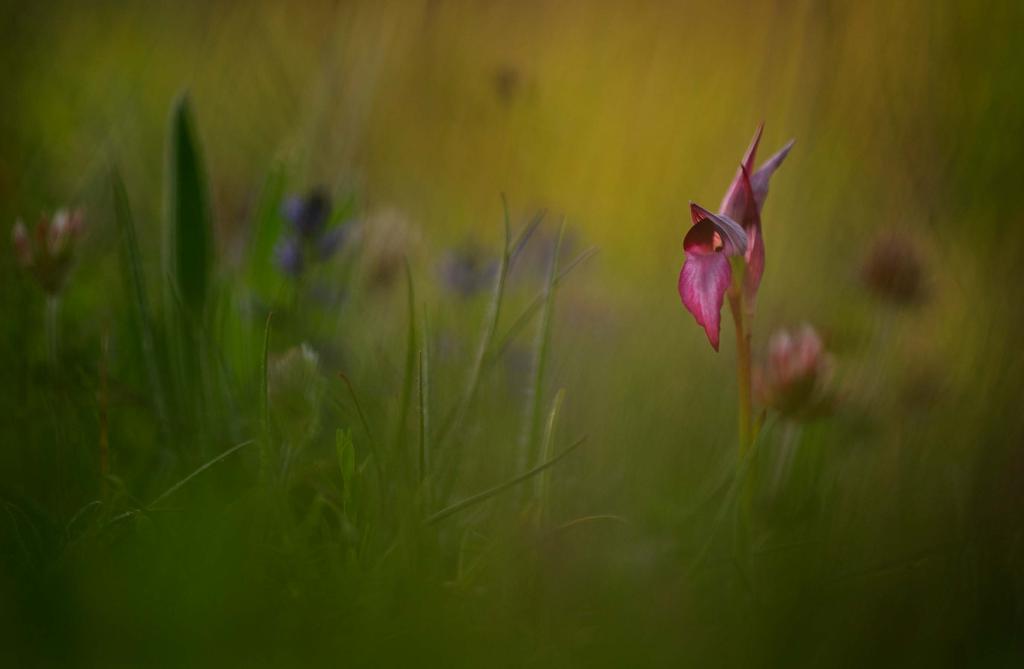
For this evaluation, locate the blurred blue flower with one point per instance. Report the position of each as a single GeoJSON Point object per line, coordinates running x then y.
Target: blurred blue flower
{"type": "Point", "coordinates": [330, 242]}
{"type": "Point", "coordinates": [465, 272]}
{"type": "Point", "coordinates": [309, 239]}
{"type": "Point", "coordinates": [288, 254]}
{"type": "Point", "coordinates": [308, 215]}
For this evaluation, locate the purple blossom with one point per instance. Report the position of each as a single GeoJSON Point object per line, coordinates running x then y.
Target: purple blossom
{"type": "Point", "coordinates": [309, 240]}
{"type": "Point", "coordinates": [308, 215]}
{"type": "Point", "coordinates": [289, 256]}
{"type": "Point", "coordinates": [464, 272]}
{"type": "Point", "coordinates": [330, 242]}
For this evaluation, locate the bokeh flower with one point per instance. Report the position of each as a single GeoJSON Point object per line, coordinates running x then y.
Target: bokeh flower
{"type": "Point", "coordinates": [48, 250]}
{"type": "Point", "coordinates": [796, 379]}
{"type": "Point", "coordinates": [893, 271]}
{"type": "Point", "coordinates": [464, 271]}
{"type": "Point", "coordinates": [309, 238]}
{"type": "Point", "coordinates": [387, 237]}
{"type": "Point", "coordinates": [295, 389]}
{"type": "Point", "coordinates": [703, 286]}
{"type": "Point", "coordinates": [288, 254]}
{"type": "Point", "coordinates": [308, 215]}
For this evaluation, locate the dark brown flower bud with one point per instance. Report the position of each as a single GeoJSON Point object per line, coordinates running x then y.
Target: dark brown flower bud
{"type": "Point", "coordinates": [893, 271]}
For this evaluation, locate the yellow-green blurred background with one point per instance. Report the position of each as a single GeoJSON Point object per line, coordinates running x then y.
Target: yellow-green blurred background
{"type": "Point", "coordinates": [907, 120]}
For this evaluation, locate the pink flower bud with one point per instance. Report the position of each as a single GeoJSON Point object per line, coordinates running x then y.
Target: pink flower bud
{"type": "Point", "coordinates": [47, 252]}
{"type": "Point", "coordinates": [22, 246]}
{"type": "Point", "coordinates": [63, 231]}
{"type": "Point", "coordinates": [796, 379]}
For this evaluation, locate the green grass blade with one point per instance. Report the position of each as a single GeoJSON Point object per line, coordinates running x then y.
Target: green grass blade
{"type": "Point", "coordinates": [424, 380]}
{"type": "Point", "coordinates": [131, 263]}
{"type": "Point", "coordinates": [189, 222]}
{"type": "Point", "coordinates": [524, 235]}
{"type": "Point", "coordinates": [374, 451]}
{"type": "Point", "coordinates": [487, 333]}
{"type": "Point", "coordinates": [265, 443]}
{"type": "Point", "coordinates": [524, 318]}
{"type": "Point", "coordinates": [346, 453]}
{"type": "Point", "coordinates": [263, 277]}
{"type": "Point", "coordinates": [174, 488]}
{"type": "Point", "coordinates": [491, 492]}
{"type": "Point", "coordinates": [410, 364]}
{"type": "Point", "coordinates": [542, 346]}
{"type": "Point", "coordinates": [545, 452]}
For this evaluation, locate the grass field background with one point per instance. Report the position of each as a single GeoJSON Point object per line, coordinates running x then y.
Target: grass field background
{"type": "Point", "coordinates": [893, 534]}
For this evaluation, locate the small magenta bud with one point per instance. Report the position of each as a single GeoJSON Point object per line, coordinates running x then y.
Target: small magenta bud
{"type": "Point", "coordinates": [795, 382]}
{"type": "Point", "coordinates": [48, 251]}
{"type": "Point", "coordinates": [22, 246]}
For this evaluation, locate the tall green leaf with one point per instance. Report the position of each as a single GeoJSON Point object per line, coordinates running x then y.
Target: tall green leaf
{"type": "Point", "coordinates": [189, 247]}
{"type": "Point", "coordinates": [262, 276]}
{"type": "Point", "coordinates": [135, 284]}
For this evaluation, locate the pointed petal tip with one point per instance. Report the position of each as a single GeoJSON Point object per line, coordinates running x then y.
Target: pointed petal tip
{"type": "Point", "coordinates": [751, 153]}
{"type": "Point", "coordinates": [698, 213]}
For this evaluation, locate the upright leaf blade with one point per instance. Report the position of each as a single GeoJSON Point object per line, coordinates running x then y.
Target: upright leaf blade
{"type": "Point", "coordinates": [131, 263]}
{"type": "Point", "coordinates": [189, 249]}
{"type": "Point", "coordinates": [267, 220]}
{"type": "Point", "coordinates": [346, 453]}
{"type": "Point", "coordinates": [541, 354]}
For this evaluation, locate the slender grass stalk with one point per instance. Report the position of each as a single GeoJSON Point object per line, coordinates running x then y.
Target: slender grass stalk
{"type": "Point", "coordinates": [487, 332]}
{"type": "Point", "coordinates": [738, 482]}
{"type": "Point", "coordinates": [410, 365]}
{"type": "Point", "coordinates": [544, 486]}
{"type": "Point", "coordinates": [510, 249]}
{"type": "Point", "coordinates": [519, 243]}
{"type": "Point", "coordinates": [424, 397]}
{"type": "Point", "coordinates": [202, 468]}
{"type": "Point", "coordinates": [265, 440]}
{"type": "Point", "coordinates": [491, 492]}
{"type": "Point", "coordinates": [534, 419]}
{"type": "Point", "coordinates": [374, 451]}
{"type": "Point", "coordinates": [103, 409]}
{"type": "Point", "coordinates": [267, 229]}
{"type": "Point", "coordinates": [131, 261]}
{"type": "Point", "coordinates": [535, 305]}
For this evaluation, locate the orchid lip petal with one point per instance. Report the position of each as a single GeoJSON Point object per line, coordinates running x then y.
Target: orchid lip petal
{"type": "Point", "coordinates": [733, 235]}
{"type": "Point", "coordinates": [703, 281]}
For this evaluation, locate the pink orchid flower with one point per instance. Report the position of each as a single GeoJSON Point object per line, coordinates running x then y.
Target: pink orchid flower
{"type": "Point", "coordinates": [707, 272]}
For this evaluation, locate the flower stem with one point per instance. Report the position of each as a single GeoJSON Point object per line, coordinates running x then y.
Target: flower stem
{"type": "Point", "coordinates": [746, 427]}
{"type": "Point", "coordinates": [743, 319]}
{"type": "Point", "coordinates": [52, 326]}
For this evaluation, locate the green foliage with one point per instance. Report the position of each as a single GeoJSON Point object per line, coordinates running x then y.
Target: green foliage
{"type": "Point", "coordinates": [263, 277]}
{"type": "Point", "coordinates": [346, 452]}
{"type": "Point", "coordinates": [415, 493]}
{"type": "Point", "coordinates": [189, 247]}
